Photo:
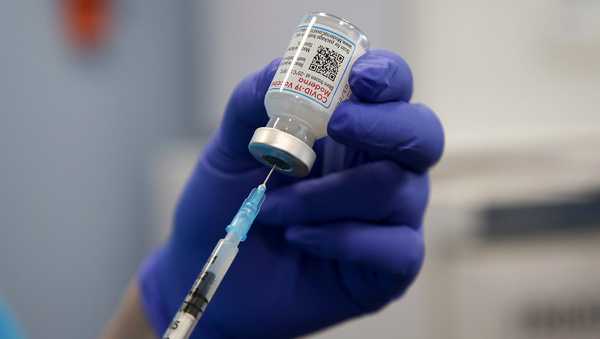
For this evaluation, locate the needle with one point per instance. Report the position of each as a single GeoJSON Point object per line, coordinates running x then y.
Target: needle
{"type": "Point", "coordinates": [268, 175]}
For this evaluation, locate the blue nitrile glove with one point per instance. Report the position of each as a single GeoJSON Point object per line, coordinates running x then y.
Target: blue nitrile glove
{"type": "Point", "coordinates": [343, 242]}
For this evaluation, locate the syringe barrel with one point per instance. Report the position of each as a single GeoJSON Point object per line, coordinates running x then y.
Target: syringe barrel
{"type": "Point", "coordinates": [217, 265]}
{"type": "Point", "coordinates": [203, 290]}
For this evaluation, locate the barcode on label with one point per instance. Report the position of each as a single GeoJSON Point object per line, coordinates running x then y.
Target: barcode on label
{"type": "Point", "coordinates": [326, 62]}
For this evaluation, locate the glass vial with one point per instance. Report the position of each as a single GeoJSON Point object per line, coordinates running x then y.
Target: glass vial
{"type": "Point", "coordinates": [310, 82]}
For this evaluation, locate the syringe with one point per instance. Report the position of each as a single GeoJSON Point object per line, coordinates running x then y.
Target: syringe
{"type": "Point", "coordinates": [216, 267]}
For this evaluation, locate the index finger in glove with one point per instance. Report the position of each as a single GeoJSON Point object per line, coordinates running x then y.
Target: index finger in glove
{"type": "Point", "coordinates": [378, 192]}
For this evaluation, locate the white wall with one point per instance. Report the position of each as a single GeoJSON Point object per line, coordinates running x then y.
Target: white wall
{"type": "Point", "coordinates": [75, 135]}
{"type": "Point", "coordinates": [509, 72]}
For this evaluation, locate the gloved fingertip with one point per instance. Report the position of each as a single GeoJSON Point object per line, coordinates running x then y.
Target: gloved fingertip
{"type": "Point", "coordinates": [264, 77]}
{"type": "Point", "coordinates": [245, 111]}
{"type": "Point", "coordinates": [379, 76]}
{"type": "Point", "coordinates": [269, 72]}
{"type": "Point", "coordinates": [246, 103]}
{"type": "Point", "coordinates": [274, 64]}
{"type": "Point", "coordinates": [370, 77]}
{"type": "Point", "coordinates": [434, 138]}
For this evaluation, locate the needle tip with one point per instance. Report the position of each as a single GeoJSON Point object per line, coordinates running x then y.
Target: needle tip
{"type": "Point", "coordinates": [268, 176]}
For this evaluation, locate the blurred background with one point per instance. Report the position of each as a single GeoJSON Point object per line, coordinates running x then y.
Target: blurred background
{"type": "Point", "coordinates": [102, 118]}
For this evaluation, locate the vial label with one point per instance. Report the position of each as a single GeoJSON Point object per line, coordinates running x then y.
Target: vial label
{"type": "Point", "coordinates": [316, 65]}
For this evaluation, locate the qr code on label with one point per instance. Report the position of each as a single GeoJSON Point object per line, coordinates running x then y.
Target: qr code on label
{"type": "Point", "coordinates": [326, 62]}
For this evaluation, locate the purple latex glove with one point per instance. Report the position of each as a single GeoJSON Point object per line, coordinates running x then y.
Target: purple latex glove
{"type": "Point", "coordinates": [343, 242]}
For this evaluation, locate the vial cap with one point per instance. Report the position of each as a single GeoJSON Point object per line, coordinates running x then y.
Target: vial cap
{"type": "Point", "coordinates": [287, 153]}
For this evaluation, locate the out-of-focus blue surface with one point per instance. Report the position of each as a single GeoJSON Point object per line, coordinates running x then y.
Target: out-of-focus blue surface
{"type": "Point", "coordinates": [8, 326]}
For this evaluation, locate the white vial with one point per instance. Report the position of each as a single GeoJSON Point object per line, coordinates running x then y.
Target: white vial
{"type": "Point", "coordinates": [310, 82]}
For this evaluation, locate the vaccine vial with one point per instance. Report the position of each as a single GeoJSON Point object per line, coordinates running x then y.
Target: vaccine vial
{"type": "Point", "coordinates": [309, 84]}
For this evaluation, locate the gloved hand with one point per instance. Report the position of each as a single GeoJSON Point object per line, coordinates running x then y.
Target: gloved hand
{"type": "Point", "coordinates": [343, 242]}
